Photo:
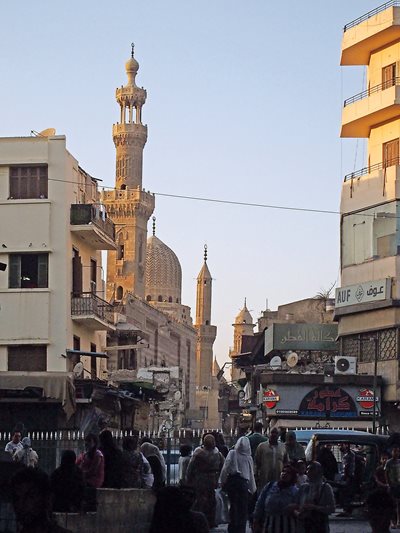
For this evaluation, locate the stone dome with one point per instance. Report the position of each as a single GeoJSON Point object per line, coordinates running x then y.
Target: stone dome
{"type": "Point", "coordinates": [163, 273]}
{"type": "Point", "coordinates": [132, 65]}
{"type": "Point", "coordinates": [244, 316]}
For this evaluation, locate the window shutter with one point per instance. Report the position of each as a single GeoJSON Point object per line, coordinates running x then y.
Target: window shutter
{"type": "Point", "coordinates": [43, 260]}
{"type": "Point", "coordinates": [77, 275]}
{"type": "Point", "coordinates": [15, 272]}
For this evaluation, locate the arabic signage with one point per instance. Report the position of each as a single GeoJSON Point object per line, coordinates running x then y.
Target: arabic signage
{"type": "Point", "coordinates": [372, 291]}
{"type": "Point", "coordinates": [328, 402]}
{"type": "Point", "coordinates": [270, 398]}
{"type": "Point", "coordinates": [319, 337]}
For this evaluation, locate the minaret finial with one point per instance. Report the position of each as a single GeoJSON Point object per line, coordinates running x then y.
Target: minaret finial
{"type": "Point", "coordinates": [133, 49]}
{"type": "Point", "coordinates": [245, 302]}
{"type": "Point", "coordinates": [154, 226]}
{"type": "Point", "coordinates": [205, 252]}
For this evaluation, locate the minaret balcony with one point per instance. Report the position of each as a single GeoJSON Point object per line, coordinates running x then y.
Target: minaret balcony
{"type": "Point", "coordinates": [92, 312]}
{"type": "Point", "coordinates": [371, 107]}
{"type": "Point", "coordinates": [131, 129]}
{"type": "Point", "coordinates": [369, 32]}
{"type": "Point", "coordinates": [91, 224]}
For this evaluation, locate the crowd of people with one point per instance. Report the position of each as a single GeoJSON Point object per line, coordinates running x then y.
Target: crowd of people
{"type": "Point", "coordinates": [266, 479]}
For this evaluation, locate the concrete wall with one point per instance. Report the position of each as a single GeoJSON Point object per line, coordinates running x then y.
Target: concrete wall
{"type": "Point", "coordinates": [118, 511]}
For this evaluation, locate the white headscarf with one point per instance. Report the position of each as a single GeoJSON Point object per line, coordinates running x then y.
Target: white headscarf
{"type": "Point", "coordinates": [239, 461]}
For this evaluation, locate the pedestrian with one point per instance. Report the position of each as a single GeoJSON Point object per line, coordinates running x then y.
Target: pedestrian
{"type": "Point", "coordinates": [269, 460]}
{"type": "Point", "coordinates": [15, 443]}
{"type": "Point", "coordinates": [392, 469]}
{"type": "Point", "coordinates": [380, 474]}
{"type": "Point", "coordinates": [347, 488]}
{"type": "Point", "coordinates": [327, 460]}
{"type": "Point", "coordinates": [315, 502]}
{"type": "Point", "coordinates": [275, 505]}
{"type": "Point", "coordinates": [173, 514]}
{"type": "Point", "coordinates": [237, 480]}
{"type": "Point", "coordinates": [301, 473]}
{"type": "Point", "coordinates": [31, 499]}
{"type": "Point", "coordinates": [152, 453]}
{"type": "Point", "coordinates": [133, 473]}
{"type": "Point", "coordinates": [26, 455]}
{"type": "Point", "coordinates": [67, 485]}
{"type": "Point", "coordinates": [91, 462]}
{"type": "Point", "coordinates": [294, 450]}
{"type": "Point", "coordinates": [380, 509]}
{"type": "Point", "coordinates": [220, 443]}
{"type": "Point", "coordinates": [184, 460]}
{"type": "Point", "coordinates": [113, 461]}
{"type": "Point", "coordinates": [203, 474]}
{"type": "Point", "coordinates": [256, 437]}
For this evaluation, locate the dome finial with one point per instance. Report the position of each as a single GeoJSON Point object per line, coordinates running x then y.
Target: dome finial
{"type": "Point", "coordinates": [154, 226]}
{"type": "Point", "coordinates": [205, 253]}
{"type": "Point", "coordinates": [245, 302]}
{"type": "Point", "coordinates": [133, 49]}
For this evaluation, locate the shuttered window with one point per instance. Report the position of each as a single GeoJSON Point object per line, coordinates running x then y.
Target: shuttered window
{"type": "Point", "coordinates": [27, 358]}
{"type": "Point", "coordinates": [28, 182]}
{"type": "Point", "coordinates": [391, 153]}
{"type": "Point", "coordinates": [388, 76]}
{"type": "Point", "coordinates": [28, 271]}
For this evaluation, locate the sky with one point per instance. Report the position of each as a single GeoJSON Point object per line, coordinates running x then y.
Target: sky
{"type": "Point", "coordinates": [244, 104]}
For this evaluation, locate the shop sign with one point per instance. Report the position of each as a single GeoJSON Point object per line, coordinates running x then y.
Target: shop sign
{"type": "Point", "coordinates": [301, 337]}
{"type": "Point", "coordinates": [366, 398]}
{"type": "Point", "coordinates": [270, 398]}
{"type": "Point", "coordinates": [328, 402]}
{"type": "Point", "coordinates": [371, 291]}
{"type": "Point", "coordinates": [286, 412]}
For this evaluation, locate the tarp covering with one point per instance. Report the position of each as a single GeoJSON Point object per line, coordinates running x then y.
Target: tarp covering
{"type": "Point", "coordinates": [57, 385]}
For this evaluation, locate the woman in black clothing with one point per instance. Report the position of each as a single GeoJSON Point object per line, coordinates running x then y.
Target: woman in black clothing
{"type": "Point", "coordinates": [67, 485]}
{"type": "Point", "coordinates": [113, 461]}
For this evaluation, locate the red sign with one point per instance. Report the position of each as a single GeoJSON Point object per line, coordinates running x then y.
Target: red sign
{"type": "Point", "coordinates": [328, 401]}
{"type": "Point", "coordinates": [270, 398]}
{"type": "Point", "coordinates": [366, 398]}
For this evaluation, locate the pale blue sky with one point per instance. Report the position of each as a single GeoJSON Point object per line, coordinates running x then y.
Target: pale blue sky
{"type": "Point", "coordinates": [244, 103]}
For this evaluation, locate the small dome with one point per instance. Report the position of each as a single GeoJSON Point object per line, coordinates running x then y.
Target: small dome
{"type": "Point", "coordinates": [131, 66]}
{"type": "Point", "coordinates": [163, 273]}
{"type": "Point", "coordinates": [244, 316]}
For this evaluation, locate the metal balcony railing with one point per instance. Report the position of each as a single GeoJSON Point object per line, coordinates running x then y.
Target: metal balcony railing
{"type": "Point", "coordinates": [92, 214]}
{"type": "Point", "coordinates": [371, 168]}
{"type": "Point", "coordinates": [375, 11]}
{"type": "Point", "coordinates": [372, 90]}
{"type": "Point", "coordinates": [87, 303]}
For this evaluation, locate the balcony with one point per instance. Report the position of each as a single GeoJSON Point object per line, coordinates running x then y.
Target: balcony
{"type": "Point", "coordinates": [92, 312]}
{"type": "Point", "coordinates": [371, 107]}
{"type": "Point", "coordinates": [371, 31]}
{"type": "Point", "coordinates": [91, 224]}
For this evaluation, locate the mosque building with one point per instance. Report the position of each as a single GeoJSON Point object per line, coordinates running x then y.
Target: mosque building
{"type": "Point", "coordinates": [144, 278]}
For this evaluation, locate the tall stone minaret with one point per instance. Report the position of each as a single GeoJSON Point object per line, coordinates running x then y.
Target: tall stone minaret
{"type": "Point", "coordinates": [205, 332]}
{"type": "Point", "coordinates": [243, 325]}
{"type": "Point", "coordinates": [129, 206]}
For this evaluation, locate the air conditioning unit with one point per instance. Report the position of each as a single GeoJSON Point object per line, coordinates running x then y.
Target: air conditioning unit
{"type": "Point", "coordinates": [345, 365]}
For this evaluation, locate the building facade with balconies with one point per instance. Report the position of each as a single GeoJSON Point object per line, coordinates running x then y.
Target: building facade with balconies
{"type": "Point", "coordinates": [52, 294]}
{"type": "Point", "coordinates": [368, 302]}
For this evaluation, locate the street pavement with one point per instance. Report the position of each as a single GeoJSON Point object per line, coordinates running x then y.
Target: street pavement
{"type": "Point", "coordinates": [335, 525]}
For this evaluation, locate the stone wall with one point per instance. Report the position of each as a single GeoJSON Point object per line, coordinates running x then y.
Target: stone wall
{"type": "Point", "coordinates": [118, 511]}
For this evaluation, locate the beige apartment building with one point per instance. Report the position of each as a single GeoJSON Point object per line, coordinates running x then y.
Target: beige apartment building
{"type": "Point", "coordinates": [52, 308]}
{"type": "Point", "coordinates": [367, 304]}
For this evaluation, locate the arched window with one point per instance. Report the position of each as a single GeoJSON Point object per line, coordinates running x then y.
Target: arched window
{"type": "Point", "coordinates": [177, 300]}
{"type": "Point", "coordinates": [160, 298]}
{"type": "Point", "coordinates": [123, 187]}
{"type": "Point", "coordinates": [170, 299]}
{"type": "Point", "coordinates": [148, 298]}
{"type": "Point", "coordinates": [120, 293]}
{"type": "Point", "coordinates": [207, 322]}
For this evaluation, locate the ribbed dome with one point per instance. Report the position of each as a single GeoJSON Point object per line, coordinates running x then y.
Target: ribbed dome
{"type": "Point", "coordinates": [163, 273]}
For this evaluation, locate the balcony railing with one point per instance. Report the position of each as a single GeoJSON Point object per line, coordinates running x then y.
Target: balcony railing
{"type": "Point", "coordinates": [372, 90]}
{"type": "Point", "coordinates": [373, 12]}
{"type": "Point", "coordinates": [371, 168]}
{"type": "Point", "coordinates": [88, 304]}
{"type": "Point", "coordinates": [82, 214]}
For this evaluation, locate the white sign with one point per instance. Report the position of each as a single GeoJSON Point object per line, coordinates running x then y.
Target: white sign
{"type": "Point", "coordinates": [371, 291]}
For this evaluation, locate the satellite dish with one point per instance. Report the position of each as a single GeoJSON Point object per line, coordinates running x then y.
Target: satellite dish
{"type": "Point", "coordinates": [78, 370]}
{"type": "Point", "coordinates": [49, 132]}
{"type": "Point", "coordinates": [292, 359]}
{"type": "Point", "coordinates": [275, 363]}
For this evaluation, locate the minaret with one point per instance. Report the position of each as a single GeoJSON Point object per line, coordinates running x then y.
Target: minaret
{"type": "Point", "coordinates": [243, 325]}
{"type": "Point", "coordinates": [205, 332]}
{"type": "Point", "coordinates": [129, 206]}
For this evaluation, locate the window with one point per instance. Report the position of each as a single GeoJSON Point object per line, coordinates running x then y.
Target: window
{"type": "Point", "coordinates": [160, 298]}
{"type": "Point", "coordinates": [27, 358]}
{"type": "Point", "coordinates": [388, 76]}
{"type": "Point", "coordinates": [120, 252]}
{"type": "Point", "coordinates": [148, 298]}
{"type": "Point", "coordinates": [93, 362]}
{"type": "Point", "coordinates": [120, 293]}
{"type": "Point", "coordinates": [28, 271]}
{"type": "Point", "coordinates": [93, 275]}
{"type": "Point", "coordinates": [390, 154]}
{"type": "Point", "coordinates": [28, 182]}
{"type": "Point", "coordinates": [76, 342]}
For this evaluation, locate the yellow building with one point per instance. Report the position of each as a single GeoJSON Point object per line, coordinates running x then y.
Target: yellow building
{"type": "Point", "coordinates": [367, 304]}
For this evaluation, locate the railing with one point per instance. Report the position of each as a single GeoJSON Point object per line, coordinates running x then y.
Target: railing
{"type": "Point", "coordinates": [92, 214]}
{"type": "Point", "coordinates": [371, 168]}
{"type": "Point", "coordinates": [372, 90]}
{"type": "Point", "coordinates": [386, 5]}
{"type": "Point", "coordinates": [87, 303]}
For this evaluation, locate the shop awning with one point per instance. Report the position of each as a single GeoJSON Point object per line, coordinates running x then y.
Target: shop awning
{"type": "Point", "coordinates": [56, 385]}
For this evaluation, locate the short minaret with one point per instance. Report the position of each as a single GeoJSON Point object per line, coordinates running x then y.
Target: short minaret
{"type": "Point", "coordinates": [205, 332]}
{"type": "Point", "coordinates": [129, 206]}
{"type": "Point", "coordinates": [243, 325]}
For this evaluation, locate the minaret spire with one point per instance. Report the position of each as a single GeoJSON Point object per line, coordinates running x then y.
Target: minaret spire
{"type": "Point", "coordinates": [133, 50]}
{"type": "Point", "coordinates": [205, 253]}
{"type": "Point", "coordinates": [154, 226]}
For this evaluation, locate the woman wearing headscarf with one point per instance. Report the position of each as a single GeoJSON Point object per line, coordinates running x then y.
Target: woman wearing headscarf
{"type": "Point", "coordinates": [202, 474]}
{"type": "Point", "coordinates": [237, 479]}
{"type": "Point", "coordinates": [294, 450]}
{"type": "Point", "coordinates": [157, 463]}
{"type": "Point", "coordinates": [315, 502]}
{"type": "Point", "coordinates": [274, 507]}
